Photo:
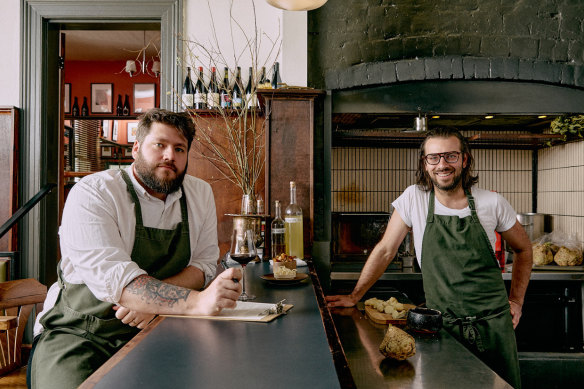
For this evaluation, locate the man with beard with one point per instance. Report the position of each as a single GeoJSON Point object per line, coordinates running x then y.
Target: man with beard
{"type": "Point", "coordinates": [454, 227]}
{"type": "Point", "coordinates": [135, 243]}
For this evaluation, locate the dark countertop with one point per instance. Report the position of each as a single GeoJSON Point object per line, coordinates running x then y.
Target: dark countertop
{"type": "Point", "coordinates": [289, 352]}
{"type": "Point", "coordinates": [440, 361]}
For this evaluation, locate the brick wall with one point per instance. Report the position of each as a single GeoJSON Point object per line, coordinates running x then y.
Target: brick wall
{"type": "Point", "coordinates": [353, 43]}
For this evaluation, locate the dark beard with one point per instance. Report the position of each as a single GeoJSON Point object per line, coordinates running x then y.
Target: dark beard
{"type": "Point", "coordinates": [448, 188]}
{"type": "Point", "coordinates": [146, 173]}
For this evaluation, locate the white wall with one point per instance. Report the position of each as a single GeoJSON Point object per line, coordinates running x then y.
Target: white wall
{"type": "Point", "coordinates": [10, 49]}
{"type": "Point", "coordinates": [230, 25]}
{"type": "Point", "coordinates": [288, 27]}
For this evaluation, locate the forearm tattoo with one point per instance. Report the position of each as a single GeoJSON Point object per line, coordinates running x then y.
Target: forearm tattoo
{"type": "Point", "coordinates": [155, 291]}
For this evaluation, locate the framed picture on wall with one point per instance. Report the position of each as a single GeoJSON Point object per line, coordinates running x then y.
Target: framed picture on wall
{"type": "Point", "coordinates": [67, 98]}
{"type": "Point", "coordinates": [101, 98]}
{"type": "Point", "coordinates": [128, 152]}
{"type": "Point", "coordinates": [106, 125]}
{"type": "Point", "coordinates": [132, 127]}
{"type": "Point", "coordinates": [115, 131]}
{"type": "Point", "coordinates": [144, 97]}
{"type": "Point", "coordinates": [106, 151]}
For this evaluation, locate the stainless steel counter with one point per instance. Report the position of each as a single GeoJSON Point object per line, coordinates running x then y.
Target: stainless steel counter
{"type": "Point", "coordinates": [409, 275]}
{"type": "Point", "coordinates": [440, 361]}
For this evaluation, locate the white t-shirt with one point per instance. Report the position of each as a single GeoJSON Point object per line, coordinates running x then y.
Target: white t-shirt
{"type": "Point", "coordinates": [98, 228]}
{"type": "Point", "coordinates": [493, 210]}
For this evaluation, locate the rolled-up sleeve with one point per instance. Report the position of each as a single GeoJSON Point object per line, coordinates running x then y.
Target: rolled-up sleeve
{"type": "Point", "coordinates": [92, 247]}
{"type": "Point", "coordinates": [203, 230]}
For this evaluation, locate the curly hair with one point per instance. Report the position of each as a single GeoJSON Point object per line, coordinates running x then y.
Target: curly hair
{"type": "Point", "coordinates": [179, 120]}
{"type": "Point", "coordinates": [422, 177]}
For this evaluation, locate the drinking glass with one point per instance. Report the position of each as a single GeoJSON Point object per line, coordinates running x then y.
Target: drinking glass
{"type": "Point", "coordinates": [243, 250]}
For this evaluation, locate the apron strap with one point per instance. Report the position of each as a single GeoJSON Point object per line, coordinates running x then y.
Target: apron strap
{"type": "Point", "coordinates": [471, 205]}
{"type": "Point", "coordinates": [467, 328]}
{"type": "Point", "coordinates": [430, 216]}
{"type": "Point", "coordinates": [132, 191]}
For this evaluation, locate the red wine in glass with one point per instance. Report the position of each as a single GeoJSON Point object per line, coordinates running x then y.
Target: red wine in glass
{"type": "Point", "coordinates": [243, 250]}
{"type": "Point", "coordinates": [242, 259]}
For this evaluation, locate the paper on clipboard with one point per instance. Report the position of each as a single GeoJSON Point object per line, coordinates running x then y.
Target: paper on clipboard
{"type": "Point", "coordinates": [244, 311]}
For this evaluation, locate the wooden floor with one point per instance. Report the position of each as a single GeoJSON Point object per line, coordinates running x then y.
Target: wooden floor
{"type": "Point", "coordinates": [16, 379]}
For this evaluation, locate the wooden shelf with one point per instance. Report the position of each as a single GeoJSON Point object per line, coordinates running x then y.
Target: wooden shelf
{"type": "Point", "coordinates": [101, 117]}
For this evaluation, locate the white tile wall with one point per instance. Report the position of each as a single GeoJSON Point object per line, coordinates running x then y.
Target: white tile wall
{"type": "Point", "coordinates": [369, 179]}
{"type": "Point", "coordinates": [561, 186]}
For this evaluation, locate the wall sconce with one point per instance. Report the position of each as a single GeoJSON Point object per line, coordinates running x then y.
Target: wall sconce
{"type": "Point", "coordinates": [296, 5]}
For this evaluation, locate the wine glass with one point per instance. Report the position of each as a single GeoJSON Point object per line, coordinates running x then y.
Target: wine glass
{"type": "Point", "coordinates": [243, 250]}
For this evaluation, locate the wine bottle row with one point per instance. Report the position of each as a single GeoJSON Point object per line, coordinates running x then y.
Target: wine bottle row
{"type": "Point", "coordinates": [226, 95]}
{"type": "Point", "coordinates": [121, 110]}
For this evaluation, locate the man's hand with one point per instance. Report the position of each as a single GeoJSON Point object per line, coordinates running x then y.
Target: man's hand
{"type": "Point", "coordinates": [221, 293]}
{"type": "Point", "coordinates": [133, 318]}
{"type": "Point", "coordinates": [340, 301]}
{"type": "Point", "coordinates": [516, 311]}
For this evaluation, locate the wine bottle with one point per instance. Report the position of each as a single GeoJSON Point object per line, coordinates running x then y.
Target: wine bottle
{"type": "Point", "coordinates": [236, 93]}
{"type": "Point", "coordinates": [200, 91]}
{"type": "Point", "coordinates": [84, 107]}
{"type": "Point", "coordinates": [251, 96]}
{"type": "Point", "coordinates": [126, 109]}
{"type": "Point", "coordinates": [213, 98]}
{"type": "Point", "coordinates": [264, 83]}
{"type": "Point", "coordinates": [188, 91]}
{"type": "Point", "coordinates": [276, 76]}
{"type": "Point", "coordinates": [119, 106]}
{"type": "Point", "coordinates": [75, 108]}
{"type": "Point", "coordinates": [293, 223]}
{"type": "Point", "coordinates": [225, 90]}
{"type": "Point", "coordinates": [278, 232]}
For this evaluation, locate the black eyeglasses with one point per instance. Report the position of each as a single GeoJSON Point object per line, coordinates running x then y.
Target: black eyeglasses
{"type": "Point", "coordinates": [434, 159]}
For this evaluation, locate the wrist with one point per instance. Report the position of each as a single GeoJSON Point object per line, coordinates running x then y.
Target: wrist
{"type": "Point", "coordinates": [520, 303]}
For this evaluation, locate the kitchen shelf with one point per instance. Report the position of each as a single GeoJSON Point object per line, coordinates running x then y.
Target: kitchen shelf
{"type": "Point", "coordinates": [413, 139]}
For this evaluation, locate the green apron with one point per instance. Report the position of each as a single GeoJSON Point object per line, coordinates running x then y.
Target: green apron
{"type": "Point", "coordinates": [462, 279]}
{"type": "Point", "coordinates": [81, 332]}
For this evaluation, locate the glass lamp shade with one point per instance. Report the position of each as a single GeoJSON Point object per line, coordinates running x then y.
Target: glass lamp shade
{"type": "Point", "coordinates": [131, 66]}
{"type": "Point", "coordinates": [296, 5]}
{"type": "Point", "coordinates": [156, 67]}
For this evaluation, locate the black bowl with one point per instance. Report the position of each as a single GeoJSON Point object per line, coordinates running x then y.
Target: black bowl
{"type": "Point", "coordinates": [424, 320]}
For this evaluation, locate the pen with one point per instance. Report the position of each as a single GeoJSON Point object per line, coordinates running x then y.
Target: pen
{"type": "Point", "coordinates": [225, 267]}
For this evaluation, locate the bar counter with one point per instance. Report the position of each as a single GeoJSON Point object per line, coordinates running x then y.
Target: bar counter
{"type": "Point", "coordinates": [289, 352]}
{"type": "Point", "coordinates": [300, 349]}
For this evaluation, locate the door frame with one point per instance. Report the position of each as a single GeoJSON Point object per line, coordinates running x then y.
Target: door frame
{"type": "Point", "coordinates": [40, 97]}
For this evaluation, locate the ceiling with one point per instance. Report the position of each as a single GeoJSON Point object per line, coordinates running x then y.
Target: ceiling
{"type": "Point", "coordinates": [103, 45]}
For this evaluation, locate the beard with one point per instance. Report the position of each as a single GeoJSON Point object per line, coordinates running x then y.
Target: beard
{"type": "Point", "coordinates": [147, 173]}
{"type": "Point", "coordinates": [448, 187]}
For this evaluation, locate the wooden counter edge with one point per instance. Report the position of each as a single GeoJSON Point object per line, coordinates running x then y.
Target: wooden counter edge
{"type": "Point", "coordinates": [104, 369]}
{"type": "Point", "coordinates": [339, 358]}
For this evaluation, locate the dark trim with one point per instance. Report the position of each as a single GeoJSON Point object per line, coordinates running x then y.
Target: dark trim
{"type": "Point", "coordinates": [40, 22]}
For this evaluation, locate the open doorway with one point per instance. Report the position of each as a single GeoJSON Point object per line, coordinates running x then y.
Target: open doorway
{"type": "Point", "coordinates": [42, 24]}
{"type": "Point", "coordinates": [110, 77]}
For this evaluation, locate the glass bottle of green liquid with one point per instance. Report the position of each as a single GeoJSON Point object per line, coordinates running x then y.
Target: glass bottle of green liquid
{"type": "Point", "coordinates": [293, 223]}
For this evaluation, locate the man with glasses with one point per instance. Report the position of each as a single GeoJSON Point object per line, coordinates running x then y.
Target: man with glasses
{"type": "Point", "coordinates": [454, 226]}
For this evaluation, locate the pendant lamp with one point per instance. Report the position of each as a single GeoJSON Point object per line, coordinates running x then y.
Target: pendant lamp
{"type": "Point", "coordinates": [296, 5]}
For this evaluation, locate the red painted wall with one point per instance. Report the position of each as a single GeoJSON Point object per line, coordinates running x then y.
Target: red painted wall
{"type": "Point", "coordinates": [81, 74]}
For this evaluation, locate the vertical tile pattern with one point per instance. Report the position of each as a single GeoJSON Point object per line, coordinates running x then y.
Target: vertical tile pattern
{"type": "Point", "coordinates": [560, 186]}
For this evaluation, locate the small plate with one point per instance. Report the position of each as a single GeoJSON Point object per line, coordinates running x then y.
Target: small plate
{"type": "Point", "coordinates": [284, 281]}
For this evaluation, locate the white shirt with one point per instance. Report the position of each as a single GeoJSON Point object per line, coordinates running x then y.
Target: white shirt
{"type": "Point", "coordinates": [98, 228]}
{"type": "Point", "coordinates": [493, 210]}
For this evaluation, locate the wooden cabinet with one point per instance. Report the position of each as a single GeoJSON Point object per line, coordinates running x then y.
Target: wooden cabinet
{"type": "Point", "coordinates": [289, 126]}
{"type": "Point", "coordinates": [8, 172]}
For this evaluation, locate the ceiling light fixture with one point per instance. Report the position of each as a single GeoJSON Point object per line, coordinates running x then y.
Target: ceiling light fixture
{"type": "Point", "coordinates": [420, 123]}
{"type": "Point", "coordinates": [132, 69]}
{"type": "Point", "coordinates": [296, 5]}
{"type": "Point", "coordinates": [542, 116]}
{"type": "Point", "coordinates": [489, 117]}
